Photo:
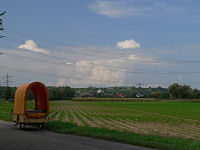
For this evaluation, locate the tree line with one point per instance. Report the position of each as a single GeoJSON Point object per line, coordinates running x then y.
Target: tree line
{"type": "Point", "coordinates": [177, 91]}
{"type": "Point", "coordinates": [174, 91]}
{"type": "Point", "coordinates": [55, 93]}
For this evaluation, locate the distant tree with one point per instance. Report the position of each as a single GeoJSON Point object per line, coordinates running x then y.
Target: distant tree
{"type": "Point", "coordinates": [179, 91]}
{"type": "Point", "coordinates": [185, 91]}
{"type": "Point", "coordinates": [195, 94]}
{"type": "Point", "coordinates": [173, 90]}
{"type": "Point", "coordinates": [30, 95]}
{"type": "Point", "coordinates": [1, 22]}
{"type": "Point", "coordinates": [8, 93]}
{"type": "Point", "coordinates": [160, 95]}
{"type": "Point", "coordinates": [61, 93]}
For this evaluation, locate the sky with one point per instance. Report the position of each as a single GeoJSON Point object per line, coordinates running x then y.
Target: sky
{"type": "Point", "coordinates": [101, 43]}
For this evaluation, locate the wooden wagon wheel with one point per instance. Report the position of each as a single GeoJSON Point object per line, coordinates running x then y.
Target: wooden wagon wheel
{"type": "Point", "coordinates": [11, 118]}
{"type": "Point", "coordinates": [11, 115]}
{"type": "Point", "coordinates": [19, 125]}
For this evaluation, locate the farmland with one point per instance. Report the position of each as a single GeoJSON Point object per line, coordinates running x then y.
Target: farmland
{"type": "Point", "coordinates": [163, 125]}
{"type": "Point", "coordinates": [171, 119]}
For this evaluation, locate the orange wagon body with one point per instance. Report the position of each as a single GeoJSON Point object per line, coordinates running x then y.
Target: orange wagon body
{"type": "Point", "coordinates": [38, 116]}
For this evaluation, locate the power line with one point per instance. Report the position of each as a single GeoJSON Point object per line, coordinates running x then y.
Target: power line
{"type": "Point", "coordinates": [60, 76]}
{"type": "Point", "coordinates": [123, 69]}
{"type": "Point", "coordinates": [44, 39]}
{"type": "Point", "coordinates": [127, 71]}
{"type": "Point", "coordinates": [78, 46]}
{"type": "Point", "coordinates": [152, 61]}
{"type": "Point", "coordinates": [92, 80]}
{"type": "Point", "coordinates": [7, 80]}
{"type": "Point", "coordinates": [47, 55]}
{"type": "Point", "coordinates": [140, 84]}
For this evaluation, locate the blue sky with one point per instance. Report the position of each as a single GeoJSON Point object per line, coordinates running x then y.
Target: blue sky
{"type": "Point", "coordinates": [104, 42]}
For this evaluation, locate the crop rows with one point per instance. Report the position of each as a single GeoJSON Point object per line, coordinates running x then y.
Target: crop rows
{"type": "Point", "coordinates": [124, 119]}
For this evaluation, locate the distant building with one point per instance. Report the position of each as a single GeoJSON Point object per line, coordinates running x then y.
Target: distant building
{"type": "Point", "coordinates": [120, 95]}
{"type": "Point", "coordinates": [138, 95]}
{"type": "Point", "coordinates": [99, 91]}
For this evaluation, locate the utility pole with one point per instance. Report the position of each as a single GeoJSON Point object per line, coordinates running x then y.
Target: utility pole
{"type": "Point", "coordinates": [8, 92]}
{"type": "Point", "coordinates": [139, 84]}
{"type": "Point", "coordinates": [7, 80]}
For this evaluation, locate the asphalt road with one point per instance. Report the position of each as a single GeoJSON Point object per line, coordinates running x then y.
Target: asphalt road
{"type": "Point", "coordinates": [36, 139]}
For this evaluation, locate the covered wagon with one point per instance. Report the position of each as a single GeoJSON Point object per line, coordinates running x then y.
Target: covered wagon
{"type": "Point", "coordinates": [37, 116]}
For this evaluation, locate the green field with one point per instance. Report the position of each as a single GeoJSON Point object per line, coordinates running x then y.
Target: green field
{"type": "Point", "coordinates": [115, 99]}
{"type": "Point", "coordinates": [170, 119]}
{"type": "Point", "coordinates": [5, 108]}
{"type": "Point", "coordinates": [161, 119]}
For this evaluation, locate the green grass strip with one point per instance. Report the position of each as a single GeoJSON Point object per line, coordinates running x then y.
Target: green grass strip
{"type": "Point", "coordinates": [164, 143]}
{"type": "Point", "coordinates": [81, 119]}
{"type": "Point", "coordinates": [71, 119]}
{"type": "Point", "coordinates": [61, 116]}
{"type": "Point", "coordinates": [54, 114]}
{"type": "Point", "coordinates": [5, 108]}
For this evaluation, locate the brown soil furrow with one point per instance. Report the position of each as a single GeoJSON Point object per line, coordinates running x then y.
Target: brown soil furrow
{"type": "Point", "coordinates": [155, 128]}
{"type": "Point", "coordinates": [107, 122]}
{"type": "Point", "coordinates": [98, 121]}
{"type": "Point", "coordinates": [90, 123]}
{"type": "Point", "coordinates": [76, 120]}
{"type": "Point", "coordinates": [135, 112]}
{"type": "Point", "coordinates": [120, 125]}
{"type": "Point", "coordinates": [56, 116]}
{"type": "Point", "coordinates": [182, 128]}
{"type": "Point", "coordinates": [163, 129]}
{"type": "Point", "coordinates": [167, 116]}
{"type": "Point", "coordinates": [188, 125]}
{"type": "Point", "coordinates": [66, 119]}
{"type": "Point", "coordinates": [163, 125]}
{"type": "Point", "coordinates": [128, 127]}
{"type": "Point", "coordinates": [159, 128]}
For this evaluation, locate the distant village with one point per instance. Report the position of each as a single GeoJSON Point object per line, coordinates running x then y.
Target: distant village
{"type": "Point", "coordinates": [117, 92]}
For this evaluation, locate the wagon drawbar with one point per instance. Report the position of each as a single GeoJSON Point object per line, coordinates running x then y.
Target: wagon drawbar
{"type": "Point", "coordinates": [38, 116]}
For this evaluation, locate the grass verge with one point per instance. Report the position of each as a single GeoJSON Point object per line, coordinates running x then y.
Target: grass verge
{"type": "Point", "coordinates": [5, 108]}
{"type": "Point", "coordinates": [163, 143]}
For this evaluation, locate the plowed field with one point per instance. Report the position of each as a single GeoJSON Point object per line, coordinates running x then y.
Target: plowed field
{"type": "Point", "coordinates": [171, 119]}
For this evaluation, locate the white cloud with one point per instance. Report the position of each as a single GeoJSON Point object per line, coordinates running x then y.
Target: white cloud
{"type": "Point", "coordinates": [83, 65]}
{"type": "Point", "coordinates": [114, 9]}
{"type": "Point", "coordinates": [99, 72]}
{"type": "Point", "coordinates": [94, 69]}
{"type": "Point", "coordinates": [128, 44]}
{"type": "Point", "coordinates": [149, 8]}
{"type": "Point", "coordinates": [32, 46]}
{"type": "Point", "coordinates": [139, 58]}
{"type": "Point", "coordinates": [69, 63]}
{"type": "Point", "coordinates": [105, 76]}
{"type": "Point", "coordinates": [145, 60]}
{"type": "Point", "coordinates": [133, 57]}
